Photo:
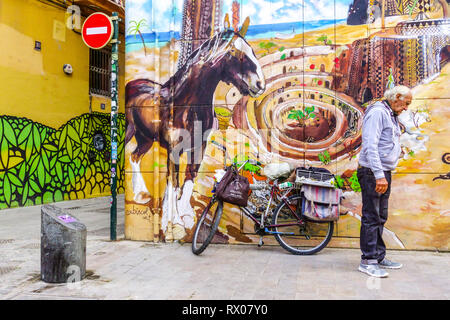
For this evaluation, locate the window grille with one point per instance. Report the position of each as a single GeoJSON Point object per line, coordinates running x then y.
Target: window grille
{"type": "Point", "coordinates": [100, 72]}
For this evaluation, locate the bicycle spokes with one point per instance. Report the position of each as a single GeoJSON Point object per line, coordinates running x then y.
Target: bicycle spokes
{"type": "Point", "coordinates": [304, 231]}
{"type": "Point", "coordinates": [297, 235]}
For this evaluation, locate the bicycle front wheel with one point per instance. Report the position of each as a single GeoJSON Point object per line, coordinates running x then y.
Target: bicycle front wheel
{"type": "Point", "coordinates": [207, 226]}
{"type": "Point", "coordinates": [302, 237]}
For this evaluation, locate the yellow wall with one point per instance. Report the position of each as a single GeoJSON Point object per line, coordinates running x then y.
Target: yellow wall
{"type": "Point", "coordinates": [32, 83]}
{"type": "Point", "coordinates": [55, 160]}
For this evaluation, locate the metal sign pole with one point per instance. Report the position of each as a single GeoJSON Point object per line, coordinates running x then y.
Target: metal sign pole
{"type": "Point", "coordinates": [114, 110]}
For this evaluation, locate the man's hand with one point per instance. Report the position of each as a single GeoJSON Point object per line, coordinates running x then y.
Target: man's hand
{"type": "Point", "coordinates": [382, 185]}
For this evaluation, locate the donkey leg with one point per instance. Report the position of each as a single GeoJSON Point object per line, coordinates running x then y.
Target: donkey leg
{"type": "Point", "coordinates": [170, 219]}
{"type": "Point", "coordinates": [172, 225]}
{"type": "Point", "coordinates": [184, 207]}
{"type": "Point", "coordinates": [141, 193]}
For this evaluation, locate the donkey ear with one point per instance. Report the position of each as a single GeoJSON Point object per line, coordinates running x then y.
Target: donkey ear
{"type": "Point", "coordinates": [226, 22]}
{"type": "Point", "coordinates": [244, 28]}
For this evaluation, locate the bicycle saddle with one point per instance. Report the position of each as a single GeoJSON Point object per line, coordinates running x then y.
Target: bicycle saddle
{"type": "Point", "coordinates": [277, 170]}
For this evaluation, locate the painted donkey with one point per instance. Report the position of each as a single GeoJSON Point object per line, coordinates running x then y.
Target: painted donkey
{"type": "Point", "coordinates": [184, 104]}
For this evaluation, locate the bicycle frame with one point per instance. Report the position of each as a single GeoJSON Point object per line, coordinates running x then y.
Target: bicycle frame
{"type": "Point", "coordinates": [275, 191]}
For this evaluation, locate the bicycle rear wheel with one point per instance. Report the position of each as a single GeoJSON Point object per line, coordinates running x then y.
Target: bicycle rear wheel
{"type": "Point", "coordinates": [299, 237]}
{"type": "Point", "coordinates": [207, 225]}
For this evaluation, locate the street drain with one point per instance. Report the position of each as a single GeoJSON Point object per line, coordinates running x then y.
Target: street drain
{"type": "Point", "coordinates": [6, 241]}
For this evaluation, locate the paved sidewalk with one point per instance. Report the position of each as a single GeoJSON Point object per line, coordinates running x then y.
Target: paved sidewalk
{"type": "Point", "coordinates": [140, 270]}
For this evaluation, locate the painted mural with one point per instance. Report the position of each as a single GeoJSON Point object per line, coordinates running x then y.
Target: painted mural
{"type": "Point", "coordinates": [287, 81]}
{"type": "Point", "coordinates": [54, 134]}
{"type": "Point", "coordinates": [40, 164]}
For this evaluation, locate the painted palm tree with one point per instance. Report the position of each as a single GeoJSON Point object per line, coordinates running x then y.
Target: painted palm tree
{"type": "Point", "coordinates": [136, 27]}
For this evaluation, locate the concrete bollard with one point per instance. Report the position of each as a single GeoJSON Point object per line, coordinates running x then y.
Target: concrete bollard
{"type": "Point", "coordinates": [63, 246]}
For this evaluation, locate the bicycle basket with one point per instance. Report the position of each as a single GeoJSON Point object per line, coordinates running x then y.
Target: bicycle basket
{"type": "Point", "coordinates": [318, 174]}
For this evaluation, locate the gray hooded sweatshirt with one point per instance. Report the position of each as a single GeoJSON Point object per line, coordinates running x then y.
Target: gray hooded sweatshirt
{"type": "Point", "coordinates": [380, 139]}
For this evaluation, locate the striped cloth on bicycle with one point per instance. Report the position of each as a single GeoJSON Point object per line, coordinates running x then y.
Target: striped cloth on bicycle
{"type": "Point", "coordinates": [321, 203]}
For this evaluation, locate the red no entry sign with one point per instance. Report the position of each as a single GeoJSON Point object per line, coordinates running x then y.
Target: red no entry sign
{"type": "Point", "coordinates": [97, 30]}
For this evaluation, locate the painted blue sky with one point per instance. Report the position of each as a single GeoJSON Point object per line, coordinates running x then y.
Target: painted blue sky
{"type": "Point", "coordinates": [165, 15]}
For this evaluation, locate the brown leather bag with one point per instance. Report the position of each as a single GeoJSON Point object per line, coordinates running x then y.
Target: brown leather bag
{"type": "Point", "coordinates": [233, 188]}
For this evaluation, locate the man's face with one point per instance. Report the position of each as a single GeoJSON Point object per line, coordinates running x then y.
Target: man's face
{"type": "Point", "coordinates": [398, 106]}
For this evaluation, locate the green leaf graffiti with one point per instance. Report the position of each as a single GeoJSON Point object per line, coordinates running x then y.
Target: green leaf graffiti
{"type": "Point", "coordinates": [39, 164]}
{"type": "Point", "coordinates": [8, 132]}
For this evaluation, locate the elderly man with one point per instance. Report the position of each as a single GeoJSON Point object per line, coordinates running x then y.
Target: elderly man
{"type": "Point", "coordinates": [379, 156]}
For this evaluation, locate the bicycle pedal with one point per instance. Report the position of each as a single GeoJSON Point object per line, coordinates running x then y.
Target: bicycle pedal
{"type": "Point", "coordinates": [261, 242]}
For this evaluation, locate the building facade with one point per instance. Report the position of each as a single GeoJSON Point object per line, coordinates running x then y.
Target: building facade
{"type": "Point", "coordinates": [244, 68]}
{"type": "Point", "coordinates": [55, 106]}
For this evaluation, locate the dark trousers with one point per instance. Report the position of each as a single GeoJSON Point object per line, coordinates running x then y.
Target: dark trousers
{"type": "Point", "coordinates": [374, 216]}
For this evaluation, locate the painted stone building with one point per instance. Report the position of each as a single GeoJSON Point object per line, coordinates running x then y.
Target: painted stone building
{"type": "Point", "coordinates": [201, 20]}
{"type": "Point", "coordinates": [367, 11]}
{"type": "Point", "coordinates": [55, 106]}
{"type": "Point", "coordinates": [412, 55]}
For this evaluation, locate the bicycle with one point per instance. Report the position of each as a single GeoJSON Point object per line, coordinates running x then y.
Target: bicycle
{"type": "Point", "coordinates": [294, 232]}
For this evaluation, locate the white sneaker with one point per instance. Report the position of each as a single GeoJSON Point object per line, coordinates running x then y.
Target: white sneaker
{"type": "Point", "coordinates": [373, 270]}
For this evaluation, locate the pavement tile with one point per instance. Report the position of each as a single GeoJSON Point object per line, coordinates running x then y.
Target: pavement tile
{"type": "Point", "coordinates": [140, 270]}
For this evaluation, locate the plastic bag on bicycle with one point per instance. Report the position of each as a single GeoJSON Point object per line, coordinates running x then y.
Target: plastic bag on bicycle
{"type": "Point", "coordinates": [233, 188]}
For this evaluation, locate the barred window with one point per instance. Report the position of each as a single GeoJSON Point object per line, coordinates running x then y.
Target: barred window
{"type": "Point", "coordinates": [100, 72]}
